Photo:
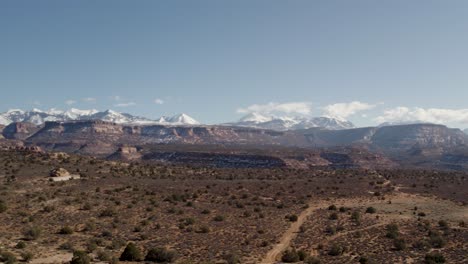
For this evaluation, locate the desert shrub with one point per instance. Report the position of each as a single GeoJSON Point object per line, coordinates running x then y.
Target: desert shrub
{"type": "Point", "coordinates": [80, 257]}
{"type": "Point", "coordinates": [203, 230]}
{"type": "Point", "coordinates": [434, 258]}
{"type": "Point", "coordinates": [27, 256]}
{"type": "Point", "coordinates": [32, 233]}
{"type": "Point", "coordinates": [421, 244]}
{"type": "Point", "coordinates": [160, 255]}
{"type": "Point", "coordinates": [363, 260]}
{"type": "Point", "coordinates": [330, 230]}
{"type": "Point", "coordinates": [333, 216]}
{"type": "Point", "coordinates": [3, 206]}
{"type": "Point", "coordinates": [371, 210]}
{"type": "Point", "coordinates": [290, 256]}
{"type": "Point", "coordinates": [332, 207]}
{"type": "Point", "coordinates": [436, 240]}
{"type": "Point", "coordinates": [392, 231]}
{"type": "Point", "coordinates": [356, 217]}
{"type": "Point", "coordinates": [131, 253]}
{"type": "Point", "coordinates": [232, 259]}
{"type": "Point", "coordinates": [312, 260]}
{"type": "Point", "coordinates": [7, 257]}
{"type": "Point", "coordinates": [66, 230]}
{"type": "Point", "coordinates": [108, 212]}
{"type": "Point", "coordinates": [399, 244]}
{"type": "Point", "coordinates": [302, 255]}
{"type": "Point", "coordinates": [335, 250]}
{"type": "Point", "coordinates": [443, 224]}
{"type": "Point", "coordinates": [218, 218]}
{"type": "Point", "coordinates": [20, 245]}
{"type": "Point", "coordinates": [66, 246]}
{"type": "Point", "coordinates": [292, 218]}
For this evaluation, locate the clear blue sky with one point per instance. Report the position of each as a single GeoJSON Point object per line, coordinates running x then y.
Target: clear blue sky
{"type": "Point", "coordinates": [210, 58]}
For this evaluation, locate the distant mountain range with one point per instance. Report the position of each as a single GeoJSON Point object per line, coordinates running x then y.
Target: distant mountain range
{"type": "Point", "coordinates": [252, 120]}
{"type": "Point", "coordinates": [257, 120]}
{"type": "Point", "coordinates": [39, 117]}
{"type": "Point", "coordinates": [416, 145]}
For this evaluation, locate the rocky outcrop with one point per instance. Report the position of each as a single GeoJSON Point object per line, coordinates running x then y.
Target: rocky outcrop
{"type": "Point", "coordinates": [19, 131]}
{"type": "Point", "coordinates": [59, 172]}
{"type": "Point", "coordinates": [126, 153]}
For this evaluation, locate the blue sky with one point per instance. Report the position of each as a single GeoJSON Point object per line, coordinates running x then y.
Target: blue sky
{"type": "Point", "coordinates": [217, 60]}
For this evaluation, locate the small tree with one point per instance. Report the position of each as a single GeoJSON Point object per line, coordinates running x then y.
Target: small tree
{"type": "Point", "coordinates": [131, 253]}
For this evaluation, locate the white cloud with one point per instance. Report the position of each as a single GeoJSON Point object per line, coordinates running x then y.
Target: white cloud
{"type": "Point", "coordinates": [70, 102]}
{"type": "Point", "coordinates": [125, 104]}
{"type": "Point", "coordinates": [89, 99]}
{"type": "Point", "coordinates": [116, 98]}
{"type": "Point", "coordinates": [301, 108]}
{"type": "Point", "coordinates": [158, 101]}
{"type": "Point", "coordinates": [344, 110]}
{"type": "Point", "coordinates": [431, 115]}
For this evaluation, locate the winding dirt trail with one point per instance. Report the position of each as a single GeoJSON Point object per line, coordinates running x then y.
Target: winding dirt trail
{"type": "Point", "coordinates": [273, 255]}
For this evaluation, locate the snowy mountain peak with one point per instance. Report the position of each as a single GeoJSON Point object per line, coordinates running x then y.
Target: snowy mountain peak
{"type": "Point", "coordinates": [256, 118]}
{"type": "Point", "coordinates": [283, 123]}
{"type": "Point", "coordinates": [183, 119]}
{"type": "Point", "coordinates": [37, 117]}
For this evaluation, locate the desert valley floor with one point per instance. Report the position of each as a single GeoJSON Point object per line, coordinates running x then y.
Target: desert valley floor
{"type": "Point", "coordinates": [214, 215]}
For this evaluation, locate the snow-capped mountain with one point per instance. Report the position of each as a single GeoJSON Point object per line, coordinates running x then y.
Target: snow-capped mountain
{"type": "Point", "coordinates": [283, 123]}
{"type": "Point", "coordinates": [38, 117]}
{"type": "Point", "coordinates": [402, 123]}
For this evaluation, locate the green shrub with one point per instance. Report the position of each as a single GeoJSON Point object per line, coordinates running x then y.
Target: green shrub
{"type": "Point", "coordinates": [371, 210]}
{"type": "Point", "coordinates": [436, 240]}
{"type": "Point", "coordinates": [333, 216]}
{"type": "Point", "coordinates": [292, 218]}
{"type": "Point", "coordinates": [20, 245]}
{"type": "Point", "coordinates": [335, 250]}
{"type": "Point", "coordinates": [7, 257]}
{"type": "Point", "coordinates": [32, 233]}
{"type": "Point", "coordinates": [312, 260]}
{"type": "Point", "coordinates": [218, 218]}
{"type": "Point", "coordinates": [434, 258]}
{"type": "Point", "coordinates": [356, 217]}
{"type": "Point", "coordinates": [131, 253]}
{"type": "Point", "coordinates": [232, 259]}
{"type": "Point", "coordinates": [80, 257]}
{"type": "Point", "coordinates": [66, 230]}
{"type": "Point", "coordinates": [160, 255]}
{"type": "Point", "coordinates": [332, 207]}
{"type": "Point", "coordinates": [290, 256]}
{"type": "Point", "coordinates": [27, 256]}
{"type": "Point", "coordinates": [3, 206]}
{"type": "Point", "coordinates": [399, 244]}
{"type": "Point", "coordinates": [392, 231]}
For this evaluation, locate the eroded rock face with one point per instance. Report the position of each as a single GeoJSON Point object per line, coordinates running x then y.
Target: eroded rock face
{"type": "Point", "coordinates": [19, 130]}
{"type": "Point", "coordinates": [128, 150]}
{"type": "Point", "coordinates": [59, 172]}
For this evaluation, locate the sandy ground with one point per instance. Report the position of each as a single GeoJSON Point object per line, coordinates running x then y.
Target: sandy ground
{"type": "Point", "coordinates": [401, 207]}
